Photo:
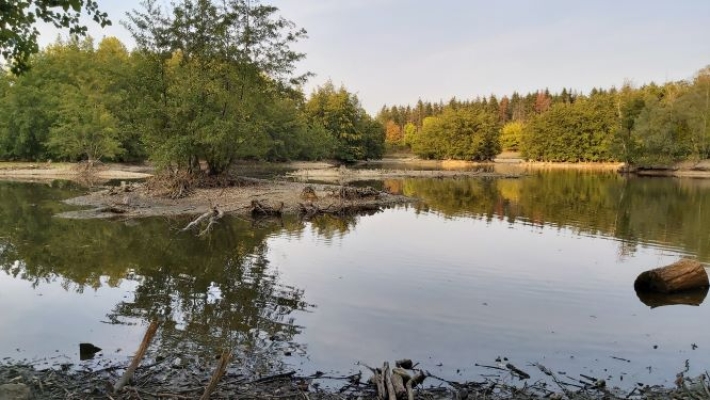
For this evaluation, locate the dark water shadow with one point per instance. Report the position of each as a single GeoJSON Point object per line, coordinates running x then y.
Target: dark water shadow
{"type": "Point", "coordinates": [693, 297]}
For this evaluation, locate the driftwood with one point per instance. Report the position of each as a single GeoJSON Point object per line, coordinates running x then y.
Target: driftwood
{"type": "Point", "coordinates": [149, 333]}
{"type": "Point", "coordinates": [388, 381]}
{"type": "Point", "coordinates": [416, 380]}
{"type": "Point", "coordinates": [682, 275]}
{"type": "Point", "coordinates": [379, 380]}
{"type": "Point", "coordinates": [218, 374]}
{"type": "Point", "coordinates": [211, 217]}
{"type": "Point", "coordinates": [398, 385]}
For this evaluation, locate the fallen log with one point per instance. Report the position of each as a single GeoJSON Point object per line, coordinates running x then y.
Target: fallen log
{"type": "Point", "coordinates": [682, 275]}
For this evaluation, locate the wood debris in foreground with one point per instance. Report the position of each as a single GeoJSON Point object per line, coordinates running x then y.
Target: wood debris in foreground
{"type": "Point", "coordinates": [162, 380]}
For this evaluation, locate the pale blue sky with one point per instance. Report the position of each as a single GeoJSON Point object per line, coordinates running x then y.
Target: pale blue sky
{"type": "Point", "coordinates": [396, 51]}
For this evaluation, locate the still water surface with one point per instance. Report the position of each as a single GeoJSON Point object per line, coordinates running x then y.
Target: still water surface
{"type": "Point", "coordinates": [538, 269]}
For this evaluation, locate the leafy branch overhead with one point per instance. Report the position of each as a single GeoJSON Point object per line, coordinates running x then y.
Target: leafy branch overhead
{"type": "Point", "coordinates": [18, 25]}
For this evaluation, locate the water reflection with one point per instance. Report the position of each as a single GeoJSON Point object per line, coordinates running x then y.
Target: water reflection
{"type": "Point", "coordinates": [513, 284]}
{"type": "Point", "coordinates": [208, 293]}
{"type": "Point", "coordinates": [668, 212]}
{"type": "Point", "coordinates": [689, 297]}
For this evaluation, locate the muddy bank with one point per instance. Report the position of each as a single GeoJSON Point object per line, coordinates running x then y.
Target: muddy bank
{"type": "Point", "coordinates": [273, 196]}
{"type": "Point", "coordinates": [166, 379]}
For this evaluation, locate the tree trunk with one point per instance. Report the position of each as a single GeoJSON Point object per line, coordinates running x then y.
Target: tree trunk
{"type": "Point", "coordinates": [682, 275]}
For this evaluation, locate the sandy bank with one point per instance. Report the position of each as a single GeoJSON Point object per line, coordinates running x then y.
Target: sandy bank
{"type": "Point", "coordinates": [237, 199]}
{"type": "Point", "coordinates": [46, 171]}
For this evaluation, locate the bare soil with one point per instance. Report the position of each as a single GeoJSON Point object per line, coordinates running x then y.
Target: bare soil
{"type": "Point", "coordinates": [26, 171]}
{"type": "Point", "coordinates": [285, 196]}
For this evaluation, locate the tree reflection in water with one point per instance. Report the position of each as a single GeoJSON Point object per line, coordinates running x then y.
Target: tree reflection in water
{"type": "Point", "coordinates": [208, 293]}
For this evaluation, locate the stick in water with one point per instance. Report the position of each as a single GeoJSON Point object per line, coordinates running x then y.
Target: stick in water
{"type": "Point", "coordinates": [217, 375]}
{"type": "Point", "coordinates": [149, 333]}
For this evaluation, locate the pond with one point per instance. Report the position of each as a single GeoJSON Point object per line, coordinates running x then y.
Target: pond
{"type": "Point", "coordinates": [537, 270]}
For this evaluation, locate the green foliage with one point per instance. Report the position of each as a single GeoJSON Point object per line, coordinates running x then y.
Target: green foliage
{"type": "Point", "coordinates": [662, 131]}
{"type": "Point", "coordinates": [357, 136]}
{"type": "Point", "coordinates": [511, 134]}
{"type": "Point", "coordinates": [211, 83]}
{"type": "Point", "coordinates": [65, 106]}
{"type": "Point", "coordinates": [458, 134]}
{"type": "Point", "coordinates": [581, 131]}
{"type": "Point", "coordinates": [410, 133]}
{"type": "Point", "coordinates": [18, 34]}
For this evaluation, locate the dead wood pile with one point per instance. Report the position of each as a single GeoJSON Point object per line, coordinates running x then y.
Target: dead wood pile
{"type": "Point", "coordinates": [163, 380]}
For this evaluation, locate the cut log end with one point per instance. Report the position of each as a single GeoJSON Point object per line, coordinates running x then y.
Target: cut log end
{"type": "Point", "coordinates": [685, 274]}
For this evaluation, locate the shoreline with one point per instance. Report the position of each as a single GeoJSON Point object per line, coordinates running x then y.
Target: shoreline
{"type": "Point", "coordinates": [277, 197]}
{"type": "Point", "coordinates": [169, 378]}
{"type": "Point", "coordinates": [287, 194]}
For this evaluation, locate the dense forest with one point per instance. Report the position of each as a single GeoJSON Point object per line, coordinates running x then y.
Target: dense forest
{"type": "Point", "coordinates": [212, 82]}
{"type": "Point", "coordinates": [651, 124]}
{"type": "Point", "coordinates": [206, 82]}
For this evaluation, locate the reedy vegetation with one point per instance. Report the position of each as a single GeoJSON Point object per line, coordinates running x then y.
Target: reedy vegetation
{"type": "Point", "coordinates": [208, 81]}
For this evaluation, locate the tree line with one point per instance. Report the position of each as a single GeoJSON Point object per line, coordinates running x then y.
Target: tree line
{"type": "Point", "coordinates": [650, 124]}
{"type": "Point", "coordinates": [208, 83]}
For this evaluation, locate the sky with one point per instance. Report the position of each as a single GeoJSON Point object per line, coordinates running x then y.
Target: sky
{"type": "Point", "coordinates": [395, 52]}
